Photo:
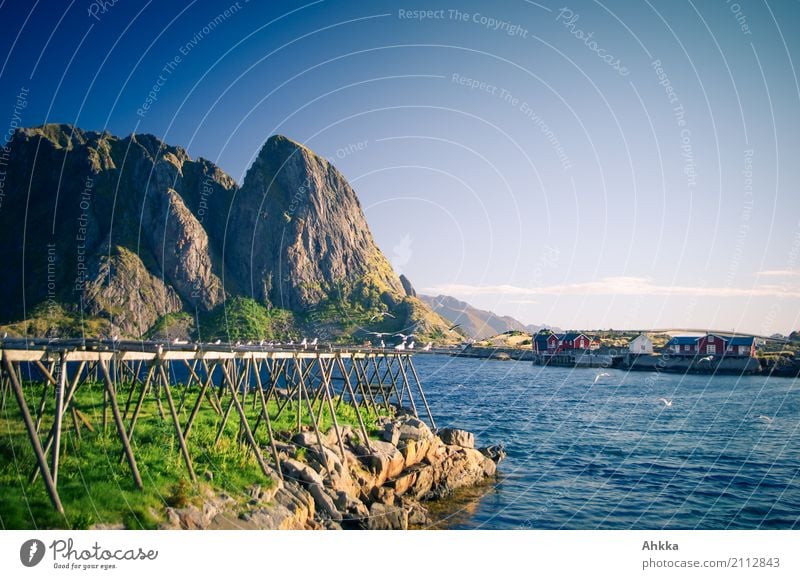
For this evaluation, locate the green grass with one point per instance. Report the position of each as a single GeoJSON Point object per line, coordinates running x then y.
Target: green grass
{"type": "Point", "coordinates": [96, 487]}
{"type": "Point", "coordinates": [241, 318]}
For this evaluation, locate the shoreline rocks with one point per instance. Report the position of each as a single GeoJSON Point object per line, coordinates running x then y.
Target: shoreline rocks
{"type": "Point", "coordinates": [378, 484]}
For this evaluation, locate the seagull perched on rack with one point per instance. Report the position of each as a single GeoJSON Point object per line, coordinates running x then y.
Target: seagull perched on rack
{"type": "Point", "coordinates": [383, 345]}
{"type": "Point", "coordinates": [218, 342]}
{"type": "Point", "coordinates": [401, 346]}
{"type": "Point", "coordinates": [304, 343]}
{"type": "Point", "coordinates": [428, 347]}
{"type": "Point", "coordinates": [381, 315]}
{"type": "Point", "coordinates": [411, 345]}
{"type": "Point", "coordinates": [290, 343]}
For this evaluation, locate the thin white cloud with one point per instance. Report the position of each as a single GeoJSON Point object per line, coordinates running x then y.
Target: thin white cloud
{"type": "Point", "coordinates": [779, 272]}
{"type": "Point", "coordinates": [611, 286]}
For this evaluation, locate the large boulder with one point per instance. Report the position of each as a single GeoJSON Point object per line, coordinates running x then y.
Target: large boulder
{"type": "Point", "coordinates": [460, 467]}
{"type": "Point", "coordinates": [383, 460]}
{"type": "Point", "coordinates": [383, 516]}
{"type": "Point", "coordinates": [327, 463]}
{"type": "Point", "coordinates": [311, 480]}
{"type": "Point", "coordinates": [291, 508]}
{"type": "Point", "coordinates": [457, 437]}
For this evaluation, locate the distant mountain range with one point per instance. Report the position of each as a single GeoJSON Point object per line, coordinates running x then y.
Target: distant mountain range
{"type": "Point", "coordinates": [474, 322]}
{"type": "Point", "coordinates": [107, 235]}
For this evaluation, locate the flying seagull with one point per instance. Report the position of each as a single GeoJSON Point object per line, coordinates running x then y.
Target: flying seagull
{"type": "Point", "coordinates": [666, 402]}
{"type": "Point", "coordinates": [381, 315]}
{"type": "Point", "coordinates": [706, 359]}
{"type": "Point", "coordinates": [601, 375]}
{"type": "Point", "coordinates": [453, 327]}
{"type": "Point", "coordinates": [766, 419]}
{"type": "Point", "coordinates": [404, 336]}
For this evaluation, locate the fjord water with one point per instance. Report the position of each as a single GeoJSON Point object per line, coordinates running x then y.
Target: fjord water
{"type": "Point", "coordinates": [610, 455]}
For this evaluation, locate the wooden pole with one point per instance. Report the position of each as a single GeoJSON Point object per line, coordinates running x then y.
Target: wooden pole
{"type": "Point", "coordinates": [67, 404]}
{"type": "Point", "coordinates": [178, 431]}
{"type": "Point", "coordinates": [224, 422]}
{"type": "Point", "coordinates": [196, 408]}
{"type": "Point", "coordinates": [209, 381]}
{"type": "Point", "coordinates": [407, 386]}
{"type": "Point", "coordinates": [34, 438]}
{"type": "Point", "coordinates": [421, 392]}
{"type": "Point", "coordinates": [363, 383]}
{"type": "Point", "coordinates": [327, 394]}
{"type": "Point", "coordinates": [5, 385]}
{"type": "Point", "coordinates": [185, 391]}
{"type": "Point", "coordinates": [112, 397]}
{"type": "Point", "coordinates": [212, 392]}
{"type": "Point", "coordinates": [349, 387]}
{"type": "Point", "coordinates": [250, 438]}
{"type": "Point", "coordinates": [75, 422]}
{"type": "Point", "coordinates": [139, 403]}
{"type": "Point", "coordinates": [316, 429]}
{"type": "Point", "coordinates": [265, 413]}
{"type": "Point", "coordinates": [59, 415]}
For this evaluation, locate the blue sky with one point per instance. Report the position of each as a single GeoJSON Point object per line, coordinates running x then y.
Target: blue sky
{"type": "Point", "coordinates": [580, 164]}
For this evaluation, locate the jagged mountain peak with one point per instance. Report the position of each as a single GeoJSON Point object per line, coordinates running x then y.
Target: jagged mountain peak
{"type": "Point", "coordinates": [143, 232]}
{"type": "Point", "coordinates": [320, 242]}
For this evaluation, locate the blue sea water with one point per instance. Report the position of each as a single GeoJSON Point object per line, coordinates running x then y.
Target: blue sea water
{"type": "Point", "coordinates": [610, 455]}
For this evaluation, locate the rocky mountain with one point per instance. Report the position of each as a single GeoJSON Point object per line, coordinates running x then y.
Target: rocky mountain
{"type": "Point", "coordinates": [476, 323]}
{"type": "Point", "coordinates": [125, 233]}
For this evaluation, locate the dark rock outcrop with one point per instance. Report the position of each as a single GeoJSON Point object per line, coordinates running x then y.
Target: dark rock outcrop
{"type": "Point", "coordinates": [131, 229]}
{"type": "Point", "coordinates": [382, 485]}
{"type": "Point", "coordinates": [407, 287]}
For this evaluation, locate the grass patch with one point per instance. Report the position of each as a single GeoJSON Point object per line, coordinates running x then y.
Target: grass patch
{"type": "Point", "coordinates": [96, 486]}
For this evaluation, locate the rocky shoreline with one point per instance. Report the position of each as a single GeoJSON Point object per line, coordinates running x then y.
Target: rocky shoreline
{"type": "Point", "coordinates": [380, 486]}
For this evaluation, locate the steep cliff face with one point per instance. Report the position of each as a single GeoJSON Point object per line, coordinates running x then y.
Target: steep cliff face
{"type": "Point", "coordinates": [301, 233]}
{"type": "Point", "coordinates": [130, 230]}
{"type": "Point", "coordinates": [119, 282]}
{"type": "Point", "coordinates": [99, 223]}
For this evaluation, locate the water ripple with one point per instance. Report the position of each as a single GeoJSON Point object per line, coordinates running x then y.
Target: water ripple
{"type": "Point", "coordinates": [611, 456]}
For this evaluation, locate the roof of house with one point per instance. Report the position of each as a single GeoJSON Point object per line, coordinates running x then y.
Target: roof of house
{"type": "Point", "coordinates": [682, 340]}
{"type": "Point", "coordinates": [735, 340]}
{"type": "Point", "coordinates": [645, 336]}
{"type": "Point", "coordinates": [572, 335]}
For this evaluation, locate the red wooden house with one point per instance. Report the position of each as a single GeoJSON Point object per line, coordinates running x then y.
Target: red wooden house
{"type": "Point", "coordinates": [711, 345]}
{"type": "Point", "coordinates": [717, 345]}
{"type": "Point", "coordinates": [557, 343]}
